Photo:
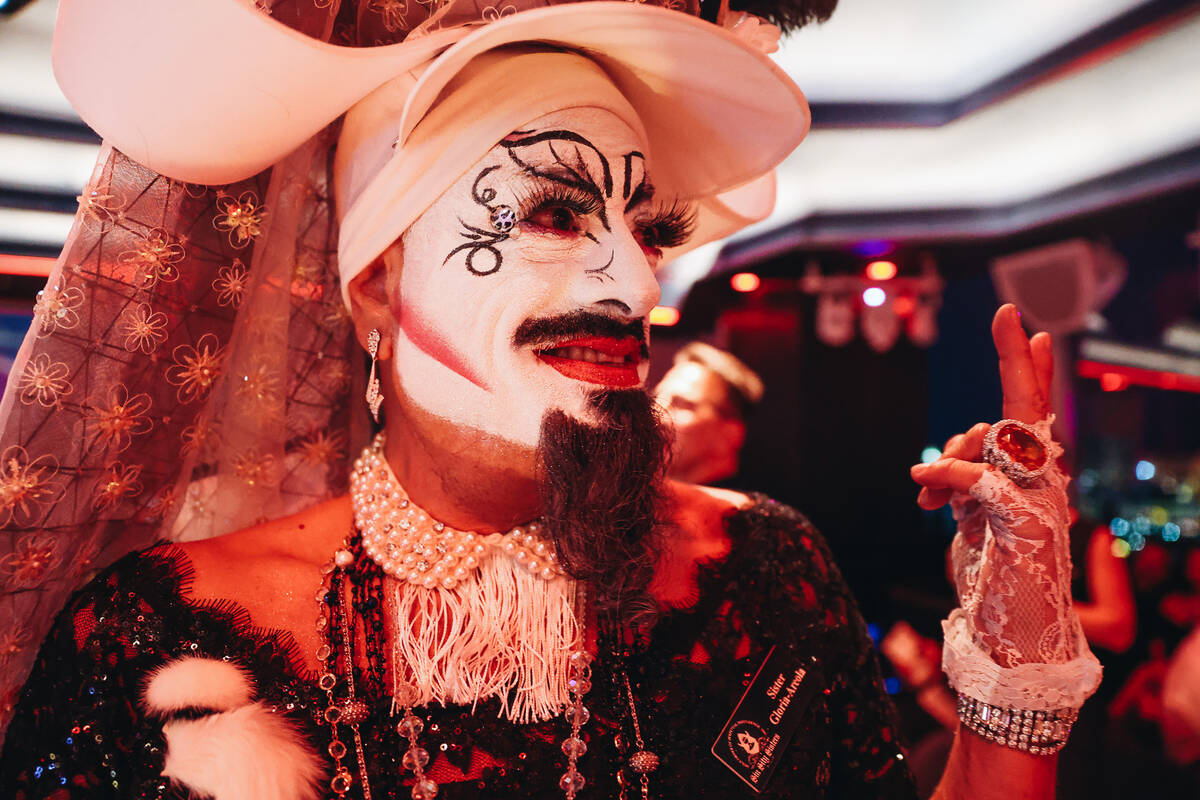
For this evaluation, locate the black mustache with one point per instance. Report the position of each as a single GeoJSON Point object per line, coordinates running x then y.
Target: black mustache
{"type": "Point", "coordinates": [577, 324]}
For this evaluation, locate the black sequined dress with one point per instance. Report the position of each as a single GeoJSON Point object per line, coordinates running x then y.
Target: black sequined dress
{"type": "Point", "coordinates": [79, 731]}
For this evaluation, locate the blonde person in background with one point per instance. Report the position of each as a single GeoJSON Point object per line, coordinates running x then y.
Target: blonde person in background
{"type": "Point", "coordinates": [708, 395]}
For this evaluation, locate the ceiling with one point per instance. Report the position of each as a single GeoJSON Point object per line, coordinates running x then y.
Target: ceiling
{"type": "Point", "coordinates": [931, 118]}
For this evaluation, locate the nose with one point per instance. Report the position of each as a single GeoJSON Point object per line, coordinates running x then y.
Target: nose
{"type": "Point", "coordinates": [618, 276]}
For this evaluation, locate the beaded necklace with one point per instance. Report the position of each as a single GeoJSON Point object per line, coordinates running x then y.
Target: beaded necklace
{"type": "Point", "coordinates": [397, 548]}
{"type": "Point", "coordinates": [338, 620]}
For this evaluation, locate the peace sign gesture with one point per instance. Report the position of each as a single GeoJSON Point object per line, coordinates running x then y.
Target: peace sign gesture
{"type": "Point", "coordinates": [1026, 371]}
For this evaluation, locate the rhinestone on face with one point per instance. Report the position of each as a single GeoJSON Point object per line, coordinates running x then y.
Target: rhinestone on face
{"type": "Point", "coordinates": [503, 219]}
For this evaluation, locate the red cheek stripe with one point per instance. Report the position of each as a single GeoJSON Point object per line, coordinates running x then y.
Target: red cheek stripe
{"type": "Point", "coordinates": [433, 342]}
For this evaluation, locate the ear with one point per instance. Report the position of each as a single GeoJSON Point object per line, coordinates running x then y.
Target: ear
{"type": "Point", "coordinates": [371, 293]}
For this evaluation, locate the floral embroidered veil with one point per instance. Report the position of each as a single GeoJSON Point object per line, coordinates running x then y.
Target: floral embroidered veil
{"type": "Point", "coordinates": [191, 369]}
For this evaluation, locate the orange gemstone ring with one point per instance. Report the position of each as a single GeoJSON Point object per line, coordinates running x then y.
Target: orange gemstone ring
{"type": "Point", "coordinates": [1018, 450]}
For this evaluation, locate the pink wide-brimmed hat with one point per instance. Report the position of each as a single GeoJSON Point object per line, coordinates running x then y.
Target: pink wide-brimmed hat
{"type": "Point", "coordinates": [718, 113]}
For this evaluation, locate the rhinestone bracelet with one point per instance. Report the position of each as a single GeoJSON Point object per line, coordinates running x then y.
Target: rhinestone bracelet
{"type": "Point", "coordinates": [1037, 732]}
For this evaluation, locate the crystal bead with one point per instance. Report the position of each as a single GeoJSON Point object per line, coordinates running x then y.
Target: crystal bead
{"type": "Point", "coordinates": [341, 783]}
{"type": "Point", "coordinates": [424, 790]}
{"type": "Point", "coordinates": [415, 757]}
{"type": "Point", "coordinates": [323, 652]}
{"type": "Point", "coordinates": [574, 747]}
{"type": "Point", "coordinates": [571, 782]}
{"type": "Point", "coordinates": [410, 726]}
{"type": "Point", "coordinates": [577, 715]}
{"type": "Point", "coordinates": [337, 750]}
{"type": "Point", "coordinates": [579, 685]}
{"type": "Point", "coordinates": [327, 681]}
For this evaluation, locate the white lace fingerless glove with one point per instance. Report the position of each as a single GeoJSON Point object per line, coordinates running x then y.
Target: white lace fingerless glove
{"type": "Point", "coordinates": [1015, 641]}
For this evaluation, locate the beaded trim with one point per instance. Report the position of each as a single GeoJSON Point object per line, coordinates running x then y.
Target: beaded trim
{"type": "Point", "coordinates": [1036, 732]}
{"type": "Point", "coordinates": [412, 547]}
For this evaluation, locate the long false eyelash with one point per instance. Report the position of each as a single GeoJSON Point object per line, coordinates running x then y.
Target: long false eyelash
{"type": "Point", "coordinates": [540, 195]}
{"type": "Point", "coordinates": [672, 224]}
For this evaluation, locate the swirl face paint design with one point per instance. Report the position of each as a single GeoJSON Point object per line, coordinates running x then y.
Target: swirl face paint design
{"type": "Point", "coordinates": [583, 250]}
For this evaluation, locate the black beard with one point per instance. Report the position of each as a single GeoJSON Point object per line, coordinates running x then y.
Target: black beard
{"type": "Point", "coordinates": [602, 499]}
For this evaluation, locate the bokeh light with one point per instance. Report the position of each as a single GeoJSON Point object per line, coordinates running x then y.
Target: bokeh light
{"type": "Point", "coordinates": [874, 296]}
{"type": "Point", "coordinates": [1144, 470]}
{"type": "Point", "coordinates": [1113, 382]}
{"type": "Point", "coordinates": [745, 282]}
{"type": "Point", "coordinates": [1120, 548]}
{"type": "Point", "coordinates": [881, 270]}
{"type": "Point", "coordinates": [664, 315]}
{"type": "Point", "coordinates": [1136, 541]}
{"type": "Point", "coordinates": [1119, 526]}
{"type": "Point", "coordinates": [930, 454]}
{"type": "Point", "coordinates": [1170, 532]}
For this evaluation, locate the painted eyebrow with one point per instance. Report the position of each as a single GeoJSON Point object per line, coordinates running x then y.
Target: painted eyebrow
{"type": "Point", "coordinates": [628, 158]}
{"type": "Point", "coordinates": [563, 136]}
{"type": "Point", "coordinates": [643, 194]}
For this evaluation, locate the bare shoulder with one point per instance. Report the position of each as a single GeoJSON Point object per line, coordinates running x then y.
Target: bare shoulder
{"type": "Point", "coordinates": [696, 536]}
{"type": "Point", "coordinates": [700, 511]}
{"type": "Point", "coordinates": [254, 560]}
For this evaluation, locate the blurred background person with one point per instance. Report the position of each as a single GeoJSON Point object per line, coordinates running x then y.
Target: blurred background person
{"type": "Point", "coordinates": [708, 395]}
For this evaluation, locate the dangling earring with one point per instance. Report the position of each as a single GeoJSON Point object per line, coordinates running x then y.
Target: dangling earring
{"type": "Point", "coordinates": [374, 395]}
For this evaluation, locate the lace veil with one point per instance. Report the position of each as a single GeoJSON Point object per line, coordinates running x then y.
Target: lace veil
{"type": "Point", "coordinates": [191, 367]}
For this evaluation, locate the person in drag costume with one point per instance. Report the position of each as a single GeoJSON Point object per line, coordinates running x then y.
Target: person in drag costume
{"type": "Point", "coordinates": [493, 591]}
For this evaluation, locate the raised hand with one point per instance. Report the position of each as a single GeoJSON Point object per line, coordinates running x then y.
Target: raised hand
{"type": "Point", "coordinates": [1026, 371]}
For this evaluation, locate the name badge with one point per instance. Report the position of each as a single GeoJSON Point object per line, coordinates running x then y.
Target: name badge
{"type": "Point", "coordinates": [766, 718]}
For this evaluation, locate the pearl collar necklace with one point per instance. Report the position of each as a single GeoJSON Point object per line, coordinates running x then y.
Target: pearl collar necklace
{"type": "Point", "coordinates": [411, 546]}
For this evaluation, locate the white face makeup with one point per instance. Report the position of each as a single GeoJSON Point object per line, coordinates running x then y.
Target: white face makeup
{"type": "Point", "coordinates": [483, 336]}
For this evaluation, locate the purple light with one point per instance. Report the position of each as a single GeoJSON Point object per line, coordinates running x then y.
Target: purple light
{"type": "Point", "coordinates": [873, 247]}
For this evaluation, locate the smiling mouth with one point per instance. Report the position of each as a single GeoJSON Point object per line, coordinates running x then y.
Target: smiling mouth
{"type": "Point", "coordinates": [596, 359]}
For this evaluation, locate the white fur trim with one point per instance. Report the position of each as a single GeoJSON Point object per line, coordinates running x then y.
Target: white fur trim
{"type": "Point", "coordinates": [243, 752]}
{"type": "Point", "coordinates": [194, 682]}
{"type": "Point", "coordinates": [249, 753]}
